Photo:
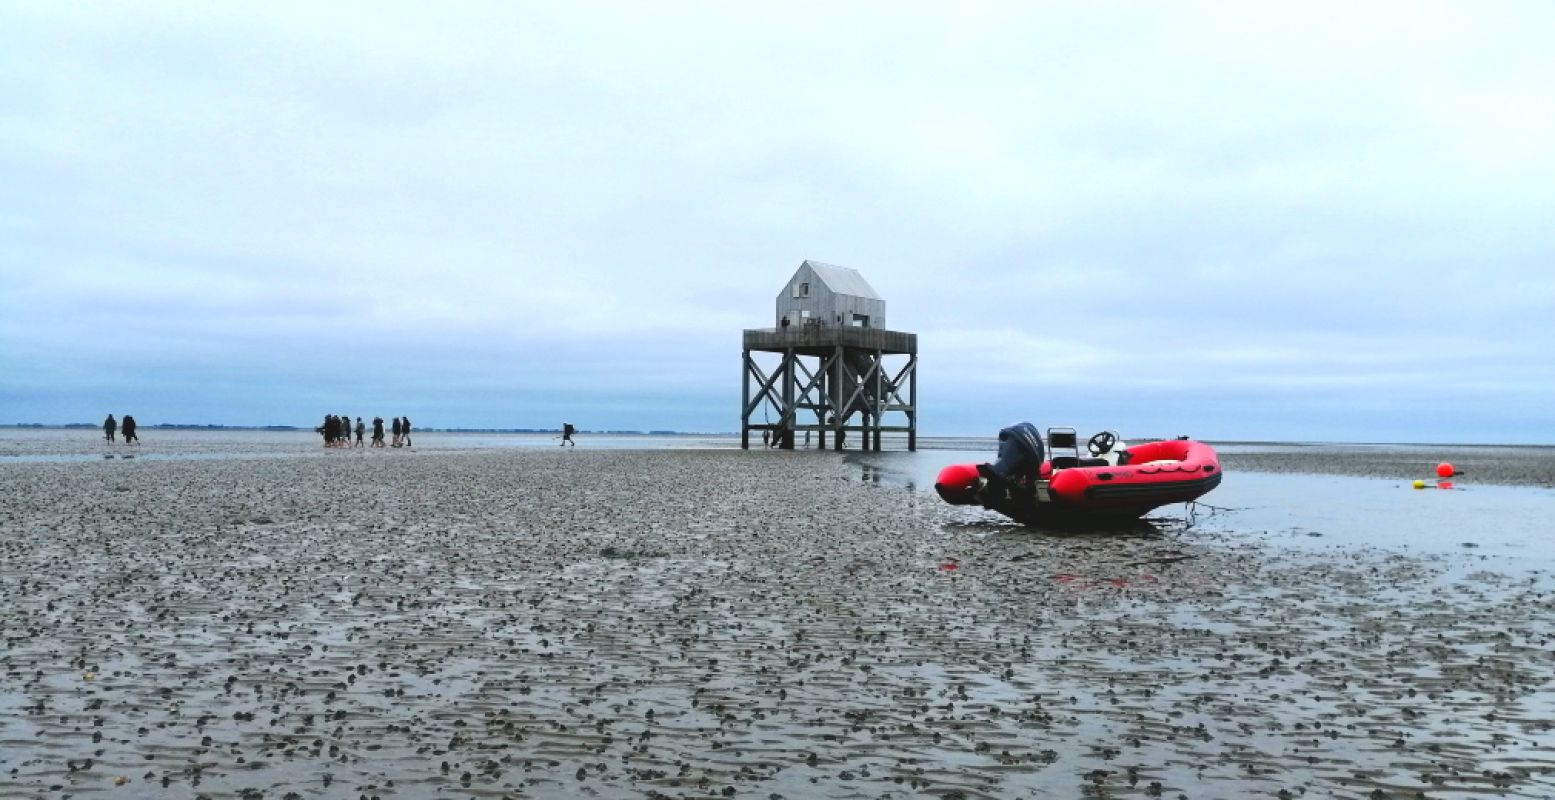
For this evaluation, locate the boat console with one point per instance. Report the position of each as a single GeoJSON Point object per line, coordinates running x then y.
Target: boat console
{"type": "Point", "coordinates": [1063, 446]}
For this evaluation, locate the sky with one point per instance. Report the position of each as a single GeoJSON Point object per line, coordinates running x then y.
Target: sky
{"type": "Point", "coordinates": [1269, 221]}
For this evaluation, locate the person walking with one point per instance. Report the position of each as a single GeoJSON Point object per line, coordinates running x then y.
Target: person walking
{"type": "Point", "coordinates": [396, 431]}
{"type": "Point", "coordinates": [405, 430]}
{"type": "Point", "coordinates": [129, 430]}
{"type": "Point", "coordinates": [361, 430]}
{"type": "Point", "coordinates": [109, 426]}
{"type": "Point", "coordinates": [377, 431]}
{"type": "Point", "coordinates": [567, 432]}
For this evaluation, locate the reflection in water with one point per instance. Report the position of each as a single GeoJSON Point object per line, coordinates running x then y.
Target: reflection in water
{"type": "Point", "coordinates": [905, 469]}
{"type": "Point", "coordinates": [877, 475]}
{"type": "Point", "coordinates": [989, 523]}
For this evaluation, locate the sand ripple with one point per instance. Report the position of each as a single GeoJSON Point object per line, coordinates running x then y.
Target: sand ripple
{"type": "Point", "coordinates": [716, 624]}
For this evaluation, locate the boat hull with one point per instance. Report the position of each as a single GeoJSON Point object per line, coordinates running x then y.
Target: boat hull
{"type": "Point", "coordinates": [1151, 475]}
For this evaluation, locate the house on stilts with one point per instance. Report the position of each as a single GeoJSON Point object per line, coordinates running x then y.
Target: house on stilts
{"type": "Point", "coordinates": [838, 371]}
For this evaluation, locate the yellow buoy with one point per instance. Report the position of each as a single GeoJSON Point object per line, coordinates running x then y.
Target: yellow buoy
{"type": "Point", "coordinates": [1419, 484]}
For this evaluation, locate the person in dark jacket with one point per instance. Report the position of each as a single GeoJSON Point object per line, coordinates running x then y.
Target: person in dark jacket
{"type": "Point", "coordinates": [109, 426]}
{"type": "Point", "coordinates": [405, 430]}
{"type": "Point", "coordinates": [129, 430]}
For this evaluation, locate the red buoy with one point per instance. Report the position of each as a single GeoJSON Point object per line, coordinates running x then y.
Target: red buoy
{"type": "Point", "coordinates": [1444, 470]}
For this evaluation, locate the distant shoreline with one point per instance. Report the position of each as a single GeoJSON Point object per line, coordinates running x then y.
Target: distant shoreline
{"type": "Point", "coordinates": [76, 426]}
{"type": "Point", "coordinates": [926, 441]}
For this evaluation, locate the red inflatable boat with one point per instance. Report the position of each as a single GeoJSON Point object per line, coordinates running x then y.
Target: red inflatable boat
{"type": "Point", "coordinates": [1114, 484]}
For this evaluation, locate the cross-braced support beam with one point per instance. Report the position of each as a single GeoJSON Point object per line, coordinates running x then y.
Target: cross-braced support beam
{"type": "Point", "coordinates": [832, 387]}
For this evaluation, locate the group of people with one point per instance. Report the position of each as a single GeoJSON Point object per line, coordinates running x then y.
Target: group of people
{"type": "Point", "coordinates": [127, 427]}
{"type": "Point", "coordinates": [337, 431]}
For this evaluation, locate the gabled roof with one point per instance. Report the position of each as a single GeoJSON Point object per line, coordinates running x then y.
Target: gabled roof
{"type": "Point", "coordinates": [842, 280]}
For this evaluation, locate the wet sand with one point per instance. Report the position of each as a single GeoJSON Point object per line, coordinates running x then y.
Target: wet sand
{"type": "Point", "coordinates": [548, 623]}
{"type": "Point", "coordinates": [1483, 464]}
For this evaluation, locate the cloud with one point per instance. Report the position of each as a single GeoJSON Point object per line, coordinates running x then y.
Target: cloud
{"type": "Point", "coordinates": [1208, 209]}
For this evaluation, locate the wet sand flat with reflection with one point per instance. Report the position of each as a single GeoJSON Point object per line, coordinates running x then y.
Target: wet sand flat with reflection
{"type": "Point", "coordinates": [642, 623]}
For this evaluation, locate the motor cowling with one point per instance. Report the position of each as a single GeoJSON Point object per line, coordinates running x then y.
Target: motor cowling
{"type": "Point", "coordinates": [1020, 451]}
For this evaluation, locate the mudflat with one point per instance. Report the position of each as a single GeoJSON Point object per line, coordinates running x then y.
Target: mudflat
{"type": "Point", "coordinates": [667, 623]}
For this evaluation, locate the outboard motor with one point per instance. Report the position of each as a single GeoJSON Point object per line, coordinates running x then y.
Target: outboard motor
{"type": "Point", "coordinates": [1020, 456]}
{"type": "Point", "coordinates": [1020, 451]}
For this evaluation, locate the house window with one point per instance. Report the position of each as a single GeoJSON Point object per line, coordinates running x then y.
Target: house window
{"type": "Point", "coordinates": [802, 289]}
{"type": "Point", "coordinates": [860, 320]}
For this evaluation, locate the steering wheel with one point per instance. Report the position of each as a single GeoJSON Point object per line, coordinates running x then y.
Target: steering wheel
{"type": "Point", "coordinates": [1102, 443]}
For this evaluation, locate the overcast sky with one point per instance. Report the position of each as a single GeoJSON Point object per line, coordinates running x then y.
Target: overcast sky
{"type": "Point", "coordinates": [1312, 221]}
